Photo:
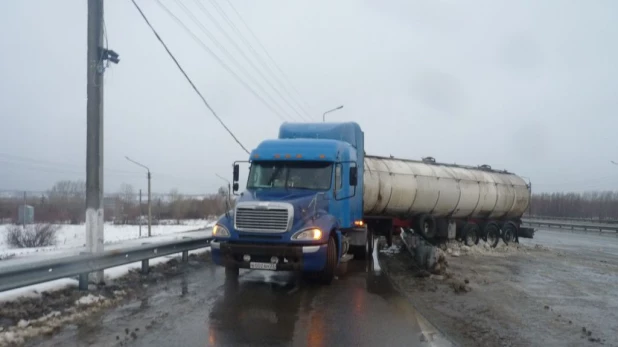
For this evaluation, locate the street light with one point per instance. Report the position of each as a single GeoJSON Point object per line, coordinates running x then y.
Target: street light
{"type": "Point", "coordinates": [613, 162]}
{"type": "Point", "coordinates": [149, 203]}
{"type": "Point", "coordinates": [334, 109]}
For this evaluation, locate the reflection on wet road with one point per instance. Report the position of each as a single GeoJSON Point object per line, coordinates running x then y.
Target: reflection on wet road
{"type": "Point", "coordinates": [201, 308]}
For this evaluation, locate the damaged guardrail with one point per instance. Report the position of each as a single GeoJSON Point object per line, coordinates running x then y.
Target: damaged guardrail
{"type": "Point", "coordinates": [425, 255]}
{"type": "Point", "coordinates": [22, 275]}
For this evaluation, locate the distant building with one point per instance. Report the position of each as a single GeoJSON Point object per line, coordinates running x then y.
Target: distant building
{"type": "Point", "coordinates": [25, 214]}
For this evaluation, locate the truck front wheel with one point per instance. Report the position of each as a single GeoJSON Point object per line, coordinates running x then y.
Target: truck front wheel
{"type": "Point", "coordinates": [328, 273]}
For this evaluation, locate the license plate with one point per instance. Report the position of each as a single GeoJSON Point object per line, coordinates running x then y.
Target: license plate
{"type": "Point", "coordinates": [263, 266]}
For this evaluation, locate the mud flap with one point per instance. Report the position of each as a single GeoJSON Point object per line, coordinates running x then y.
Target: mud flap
{"type": "Point", "coordinates": [342, 267]}
{"type": "Point", "coordinates": [527, 233]}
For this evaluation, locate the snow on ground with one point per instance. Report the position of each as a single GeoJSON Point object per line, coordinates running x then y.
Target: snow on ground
{"type": "Point", "coordinates": [73, 237]}
{"type": "Point", "coordinates": [71, 241]}
{"type": "Point", "coordinates": [393, 249]}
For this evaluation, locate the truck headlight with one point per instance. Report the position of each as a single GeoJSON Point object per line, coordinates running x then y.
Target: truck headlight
{"type": "Point", "coordinates": [220, 231]}
{"type": "Point", "coordinates": [308, 234]}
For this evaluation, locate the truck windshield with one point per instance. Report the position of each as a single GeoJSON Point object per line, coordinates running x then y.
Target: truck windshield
{"type": "Point", "coordinates": [289, 174]}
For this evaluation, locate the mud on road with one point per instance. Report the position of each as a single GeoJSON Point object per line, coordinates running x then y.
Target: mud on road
{"type": "Point", "coordinates": [520, 295]}
{"type": "Point", "coordinates": [32, 318]}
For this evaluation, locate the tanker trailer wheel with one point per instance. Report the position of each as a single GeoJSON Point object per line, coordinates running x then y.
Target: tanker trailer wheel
{"type": "Point", "coordinates": [426, 226]}
{"type": "Point", "coordinates": [492, 233]}
{"type": "Point", "coordinates": [508, 232]}
{"type": "Point", "coordinates": [470, 234]}
{"type": "Point", "coordinates": [328, 273]}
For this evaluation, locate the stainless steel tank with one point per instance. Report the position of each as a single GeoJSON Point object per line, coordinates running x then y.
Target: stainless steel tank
{"type": "Point", "coordinates": [396, 187]}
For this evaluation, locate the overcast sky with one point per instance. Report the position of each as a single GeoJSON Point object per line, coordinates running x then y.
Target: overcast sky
{"type": "Point", "coordinates": [528, 86]}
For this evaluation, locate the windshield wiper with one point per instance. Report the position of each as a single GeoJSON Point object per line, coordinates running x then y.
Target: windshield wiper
{"type": "Point", "coordinates": [273, 176]}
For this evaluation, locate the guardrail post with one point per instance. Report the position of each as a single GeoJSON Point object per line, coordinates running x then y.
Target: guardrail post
{"type": "Point", "coordinates": [83, 281]}
{"type": "Point", "coordinates": [145, 266]}
{"type": "Point", "coordinates": [185, 256]}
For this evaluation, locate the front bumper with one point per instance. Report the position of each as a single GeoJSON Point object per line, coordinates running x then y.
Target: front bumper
{"type": "Point", "coordinates": [307, 258]}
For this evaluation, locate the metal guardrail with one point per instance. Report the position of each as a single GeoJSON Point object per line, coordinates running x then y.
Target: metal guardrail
{"type": "Point", "coordinates": [572, 219]}
{"type": "Point", "coordinates": [585, 227]}
{"type": "Point", "coordinates": [22, 275]}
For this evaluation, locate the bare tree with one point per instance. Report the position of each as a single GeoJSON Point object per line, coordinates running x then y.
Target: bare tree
{"type": "Point", "coordinates": [69, 198]}
{"type": "Point", "coordinates": [178, 205]}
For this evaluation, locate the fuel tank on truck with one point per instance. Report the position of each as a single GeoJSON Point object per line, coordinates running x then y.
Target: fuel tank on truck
{"type": "Point", "coordinates": [399, 187]}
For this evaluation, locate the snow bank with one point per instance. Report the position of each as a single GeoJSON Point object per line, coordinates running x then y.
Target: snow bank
{"type": "Point", "coordinates": [456, 249]}
{"type": "Point", "coordinates": [34, 291]}
{"type": "Point", "coordinates": [393, 249]}
{"type": "Point", "coordinates": [73, 237]}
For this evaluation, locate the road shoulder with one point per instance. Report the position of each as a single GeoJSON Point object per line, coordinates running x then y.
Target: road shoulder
{"type": "Point", "coordinates": [519, 296]}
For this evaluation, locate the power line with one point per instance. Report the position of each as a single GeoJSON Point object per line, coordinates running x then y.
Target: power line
{"type": "Point", "coordinates": [268, 54]}
{"type": "Point", "coordinates": [30, 193]}
{"type": "Point", "coordinates": [226, 53]}
{"type": "Point", "coordinates": [11, 158]}
{"type": "Point", "coordinates": [256, 54]}
{"type": "Point", "coordinates": [216, 57]}
{"type": "Point", "coordinates": [187, 77]}
{"type": "Point", "coordinates": [31, 164]}
{"type": "Point", "coordinates": [212, 18]}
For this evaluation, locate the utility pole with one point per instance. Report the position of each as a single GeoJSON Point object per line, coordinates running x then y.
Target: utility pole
{"type": "Point", "coordinates": [149, 206]}
{"type": "Point", "coordinates": [94, 139]}
{"type": "Point", "coordinates": [140, 213]}
{"type": "Point", "coordinates": [96, 58]}
{"type": "Point", "coordinates": [149, 200]}
{"type": "Point", "coordinates": [23, 212]}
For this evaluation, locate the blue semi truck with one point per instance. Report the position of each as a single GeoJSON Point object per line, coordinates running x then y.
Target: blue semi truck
{"type": "Point", "coordinates": [302, 209]}
{"type": "Point", "coordinates": [313, 200]}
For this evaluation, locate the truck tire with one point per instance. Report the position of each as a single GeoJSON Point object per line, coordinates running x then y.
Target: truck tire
{"type": "Point", "coordinates": [328, 273]}
{"type": "Point", "coordinates": [426, 226]}
{"type": "Point", "coordinates": [509, 231]}
{"type": "Point", "coordinates": [470, 234]}
{"type": "Point", "coordinates": [492, 233]}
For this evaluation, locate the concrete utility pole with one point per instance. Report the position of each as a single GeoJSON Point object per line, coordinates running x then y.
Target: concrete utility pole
{"type": "Point", "coordinates": [334, 109]}
{"type": "Point", "coordinates": [140, 213]}
{"type": "Point", "coordinates": [96, 58]}
{"type": "Point", "coordinates": [94, 140]}
{"type": "Point", "coordinates": [149, 200]}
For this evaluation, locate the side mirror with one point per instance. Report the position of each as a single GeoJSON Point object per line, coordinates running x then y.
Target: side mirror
{"type": "Point", "coordinates": [353, 176]}
{"type": "Point", "coordinates": [236, 174]}
{"type": "Point", "coordinates": [235, 187]}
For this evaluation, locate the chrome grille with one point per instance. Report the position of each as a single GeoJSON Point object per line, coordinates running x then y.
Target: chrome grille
{"type": "Point", "coordinates": [272, 219]}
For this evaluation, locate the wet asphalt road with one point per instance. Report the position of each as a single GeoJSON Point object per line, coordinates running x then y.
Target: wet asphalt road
{"type": "Point", "coordinates": [201, 308]}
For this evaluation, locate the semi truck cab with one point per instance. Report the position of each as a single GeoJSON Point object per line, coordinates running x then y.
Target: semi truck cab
{"type": "Point", "coordinates": [302, 208]}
